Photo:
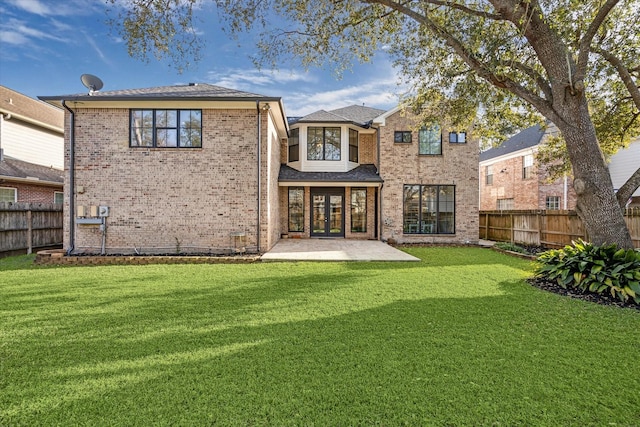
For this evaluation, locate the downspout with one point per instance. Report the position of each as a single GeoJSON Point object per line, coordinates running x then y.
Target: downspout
{"type": "Point", "coordinates": [380, 219]}
{"type": "Point", "coordinates": [259, 180]}
{"type": "Point", "coordinates": [566, 193]}
{"type": "Point", "coordinates": [72, 206]}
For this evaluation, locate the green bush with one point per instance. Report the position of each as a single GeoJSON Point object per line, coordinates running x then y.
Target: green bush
{"type": "Point", "coordinates": [596, 269]}
{"type": "Point", "coordinates": [506, 246]}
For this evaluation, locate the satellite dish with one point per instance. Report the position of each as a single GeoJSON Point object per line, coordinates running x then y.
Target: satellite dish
{"type": "Point", "coordinates": [91, 82]}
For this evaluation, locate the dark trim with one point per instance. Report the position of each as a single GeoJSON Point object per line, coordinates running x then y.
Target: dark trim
{"type": "Point", "coordinates": [327, 191]}
{"type": "Point", "coordinates": [72, 162]}
{"type": "Point", "coordinates": [154, 129]}
{"type": "Point", "coordinates": [438, 211]}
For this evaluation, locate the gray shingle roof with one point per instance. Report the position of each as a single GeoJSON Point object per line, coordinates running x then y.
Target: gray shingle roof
{"type": "Point", "coordinates": [357, 114]}
{"type": "Point", "coordinates": [188, 91]}
{"type": "Point", "coordinates": [528, 138]}
{"type": "Point", "coordinates": [363, 173]}
{"type": "Point", "coordinates": [13, 168]}
{"type": "Point", "coordinates": [16, 103]}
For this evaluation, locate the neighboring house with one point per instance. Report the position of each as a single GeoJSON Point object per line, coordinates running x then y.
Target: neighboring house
{"type": "Point", "coordinates": [623, 164]}
{"type": "Point", "coordinates": [26, 182]}
{"type": "Point", "coordinates": [31, 149]}
{"type": "Point", "coordinates": [510, 177]}
{"type": "Point", "coordinates": [200, 168]}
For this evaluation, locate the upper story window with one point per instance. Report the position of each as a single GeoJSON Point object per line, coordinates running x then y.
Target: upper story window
{"type": "Point", "coordinates": [323, 143]}
{"type": "Point", "coordinates": [430, 141]}
{"type": "Point", "coordinates": [8, 194]}
{"type": "Point", "coordinates": [489, 175]}
{"type": "Point", "coordinates": [166, 128]}
{"type": "Point", "coordinates": [402, 137]}
{"type": "Point", "coordinates": [353, 145]}
{"type": "Point", "coordinates": [527, 166]}
{"type": "Point", "coordinates": [457, 137]}
{"type": "Point", "coordinates": [294, 145]}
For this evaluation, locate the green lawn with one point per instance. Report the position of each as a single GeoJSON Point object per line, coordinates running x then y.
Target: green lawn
{"type": "Point", "coordinates": [457, 339]}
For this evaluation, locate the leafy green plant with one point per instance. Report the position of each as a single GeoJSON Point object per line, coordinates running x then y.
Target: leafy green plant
{"type": "Point", "coordinates": [506, 246]}
{"type": "Point", "coordinates": [596, 269]}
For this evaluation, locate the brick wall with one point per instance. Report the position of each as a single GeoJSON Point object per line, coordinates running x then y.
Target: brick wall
{"type": "Point", "coordinates": [527, 194]}
{"type": "Point", "coordinates": [401, 164]}
{"type": "Point", "coordinates": [367, 149]}
{"type": "Point", "coordinates": [28, 193]}
{"type": "Point", "coordinates": [164, 200]}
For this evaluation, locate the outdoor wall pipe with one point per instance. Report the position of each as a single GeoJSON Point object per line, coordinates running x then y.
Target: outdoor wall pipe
{"type": "Point", "coordinates": [259, 180]}
{"type": "Point", "coordinates": [72, 207]}
{"type": "Point", "coordinates": [380, 219]}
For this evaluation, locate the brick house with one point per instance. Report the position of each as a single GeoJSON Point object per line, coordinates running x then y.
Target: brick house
{"type": "Point", "coordinates": [31, 149]}
{"type": "Point", "coordinates": [510, 177]}
{"type": "Point", "coordinates": [200, 168]}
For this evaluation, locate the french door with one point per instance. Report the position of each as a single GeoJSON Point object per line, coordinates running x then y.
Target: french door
{"type": "Point", "coordinates": [327, 212]}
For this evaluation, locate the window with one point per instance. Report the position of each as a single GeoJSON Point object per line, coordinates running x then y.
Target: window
{"type": "Point", "coordinates": [429, 209]}
{"type": "Point", "coordinates": [457, 137]}
{"type": "Point", "coordinates": [166, 128]}
{"type": "Point", "coordinates": [58, 197]}
{"type": "Point", "coordinates": [527, 166]}
{"type": "Point", "coordinates": [353, 145]}
{"type": "Point", "coordinates": [505, 204]}
{"type": "Point", "coordinates": [553, 203]}
{"type": "Point", "coordinates": [402, 137]}
{"type": "Point", "coordinates": [296, 209]}
{"type": "Point", "coordinates": [358, 210]}
{"type": "Point", "coordinates": [294, 145]}
{"type": "Point", "coordinates": [323, 143]}
{"type": "Point", "coordinates": [430, 141]}
{"type": "Point", "coordinates": [489, 175]}
{"type": "Point", "coordinates": [8, 194]}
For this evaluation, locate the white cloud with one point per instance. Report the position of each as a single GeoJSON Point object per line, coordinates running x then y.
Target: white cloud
{"type": "Point", "coordinates": [13, 37]}
{"type": "Point", "coordinates": [32, 6]}
{"type": "Point", "coordinates": [95, 47]}
{"type": "Point", "coordinates": [256, 80]}
{"type": "Point", "coordinates": [17, 32]}
{"type": "Point", "coordinates": [57, 8]}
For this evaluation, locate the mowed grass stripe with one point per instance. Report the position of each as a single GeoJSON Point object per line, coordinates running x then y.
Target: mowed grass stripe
{"type": "Point", "coordinates": [457, 339]}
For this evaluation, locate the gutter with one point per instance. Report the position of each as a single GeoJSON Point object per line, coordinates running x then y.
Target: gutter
{"type": "Point", "coordinates": [380, 221]}
{"type": "Point", "coordinates": [72, 205]}
{"type": "Point", "coordinates": [11, 115]}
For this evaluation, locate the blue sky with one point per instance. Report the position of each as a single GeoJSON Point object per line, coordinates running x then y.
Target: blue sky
{"type": "Point", "coordinates": [45, 45]}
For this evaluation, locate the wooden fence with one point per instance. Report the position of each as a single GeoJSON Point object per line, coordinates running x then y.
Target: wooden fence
{"type": "Point", "coordinates": [551, 229]}
{"type": "Point", "coordinates": [28, 226]}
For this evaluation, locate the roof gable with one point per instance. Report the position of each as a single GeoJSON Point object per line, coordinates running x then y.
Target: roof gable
{"type": "Point", "coordinates": [527, 138]}
{"type": "Point", "coordinates": [30, 110]}
{"type": "Point", "coordinates": [356, 114]}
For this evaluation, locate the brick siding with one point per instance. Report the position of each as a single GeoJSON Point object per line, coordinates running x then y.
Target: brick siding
{"type": "Point", "coordinates": [167, 200]}
{"type": "Point", "coordinates": [401, 164]}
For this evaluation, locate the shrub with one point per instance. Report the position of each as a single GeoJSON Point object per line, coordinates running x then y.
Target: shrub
{"type": "Point", "coordinates": [511, 247]}
{"type": "Point", "coordinates": [596, 269]}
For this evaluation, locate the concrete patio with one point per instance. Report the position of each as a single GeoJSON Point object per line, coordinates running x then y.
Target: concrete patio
{"type": "Point", "coordinates": [334, 250]}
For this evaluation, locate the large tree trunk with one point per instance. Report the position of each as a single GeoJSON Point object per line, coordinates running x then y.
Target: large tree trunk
{"type": "Point", "coordinates": [597, 204]}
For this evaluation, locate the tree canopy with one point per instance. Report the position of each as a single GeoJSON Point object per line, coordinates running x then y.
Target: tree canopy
{"type": "Point", "coordinates": [495, 65]}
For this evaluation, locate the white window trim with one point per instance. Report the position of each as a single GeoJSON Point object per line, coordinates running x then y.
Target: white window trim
{"type": "Point", "coordinates": [15, 193]}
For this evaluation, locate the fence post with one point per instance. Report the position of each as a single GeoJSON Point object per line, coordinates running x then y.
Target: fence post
{"type": "Point", "coordinates": [486, 226]}
{"type": "Point", "coordinates": [29, 232]}
{"type": "Point", "coordinates": [512, 234]}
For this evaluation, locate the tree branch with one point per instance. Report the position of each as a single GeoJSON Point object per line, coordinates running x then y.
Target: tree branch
{"type": "Point", "coordinates": [628, 188]}
{"type": "Point", "coordinates": [623, 72]}
{"type": "Point", "coordinates": [466, 9]}
{"type": "Point", "coordinates": [585, 42]}
{"type": "Point", "coordinates": [502, 82]}
{"type": "Point", "coordinates": [537, 77]}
